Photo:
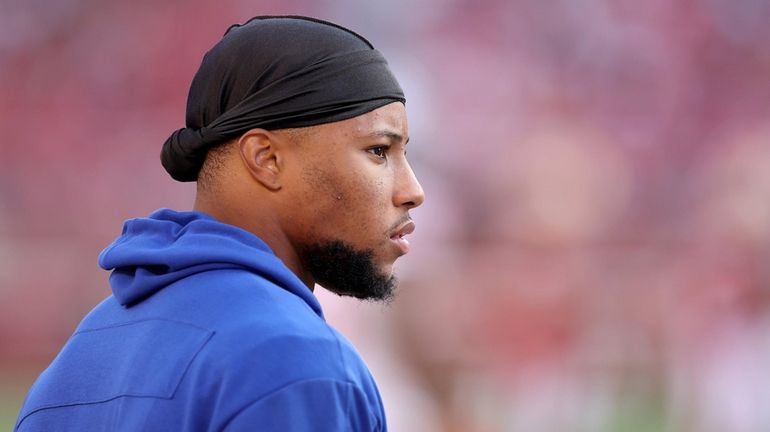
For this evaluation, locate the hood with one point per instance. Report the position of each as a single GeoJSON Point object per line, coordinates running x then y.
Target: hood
{"type": "Point", "coordinates": [167, 246]}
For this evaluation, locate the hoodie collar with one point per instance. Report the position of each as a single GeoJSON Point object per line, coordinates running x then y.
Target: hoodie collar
{"type": "Point", "coordinates": [167, 246]}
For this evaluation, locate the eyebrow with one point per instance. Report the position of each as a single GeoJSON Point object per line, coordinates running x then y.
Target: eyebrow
{"type": "Point", "coordinates": [384, 133]}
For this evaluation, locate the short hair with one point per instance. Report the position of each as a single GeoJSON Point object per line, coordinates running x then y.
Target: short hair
{"type": "Point", "coordinates": [213, 166]}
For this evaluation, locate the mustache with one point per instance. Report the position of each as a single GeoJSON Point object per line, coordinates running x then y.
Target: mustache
{"type": "Point", "coordinates": [399, 224]}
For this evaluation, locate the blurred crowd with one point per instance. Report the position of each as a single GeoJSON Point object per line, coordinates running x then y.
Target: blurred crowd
{"type": "Point", "coordinates": [593, 251]}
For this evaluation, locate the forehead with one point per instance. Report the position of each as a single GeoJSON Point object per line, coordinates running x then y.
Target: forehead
{"type": "Point", "coordinates": [388, 121]}
{"type": "Point", "coordinates": [389, 117]}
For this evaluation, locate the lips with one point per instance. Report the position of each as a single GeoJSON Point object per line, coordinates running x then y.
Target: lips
{"type": "Point", "coordinates": [398, 236]}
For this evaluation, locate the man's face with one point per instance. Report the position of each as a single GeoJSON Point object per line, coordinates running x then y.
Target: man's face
{"type": "Point", "coordinates": [349, 199]}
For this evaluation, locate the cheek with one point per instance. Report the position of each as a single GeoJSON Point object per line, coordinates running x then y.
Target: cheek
{"type": "Point", "coordinates": [348, 203]}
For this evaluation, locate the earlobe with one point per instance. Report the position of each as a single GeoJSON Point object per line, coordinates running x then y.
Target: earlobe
{"type": "Point", "coordinates": [260, 155]}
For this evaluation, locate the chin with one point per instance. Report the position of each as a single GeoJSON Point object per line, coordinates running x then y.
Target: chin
{"type": "Point", "coordinates": [345, 270]}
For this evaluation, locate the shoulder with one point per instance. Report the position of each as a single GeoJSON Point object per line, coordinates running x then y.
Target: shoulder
{"type": "Point", "coordinates": [297, 365]}
{"type": "Point", "coordinates": [310, 405]}
{"type": "Point", "coordinates": [264, 336]}
{"type": "Point", "coordinates": [269, 350]}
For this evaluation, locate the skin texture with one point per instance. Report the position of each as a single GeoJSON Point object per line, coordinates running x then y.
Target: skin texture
{"type": "Point", "coordinates": [309, 192]}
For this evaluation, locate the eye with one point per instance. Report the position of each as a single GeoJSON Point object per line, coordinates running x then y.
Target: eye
{"type": "Point", "coordinates": [381, 151]}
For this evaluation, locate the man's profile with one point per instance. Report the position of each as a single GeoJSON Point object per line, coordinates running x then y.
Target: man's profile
{"type": "Point", "coordinates": [296, 135]}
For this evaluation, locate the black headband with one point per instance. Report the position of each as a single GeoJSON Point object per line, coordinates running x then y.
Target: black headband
{"type": "Point", "coordinates": [273, 73]}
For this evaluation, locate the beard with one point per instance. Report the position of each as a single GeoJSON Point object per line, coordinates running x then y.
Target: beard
{"type": "Point", "coordinates": [345, 271]}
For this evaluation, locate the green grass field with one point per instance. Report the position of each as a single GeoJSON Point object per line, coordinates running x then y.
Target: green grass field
{"type": "Point", "coordinates": [13, 387]}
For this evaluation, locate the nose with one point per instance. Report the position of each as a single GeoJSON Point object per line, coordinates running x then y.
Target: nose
{"type": "Point", "coordinates": [408, 192]}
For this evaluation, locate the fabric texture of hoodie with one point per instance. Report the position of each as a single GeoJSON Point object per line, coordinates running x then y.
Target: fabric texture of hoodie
{"type": "Point", "coordinates": [206, 330]}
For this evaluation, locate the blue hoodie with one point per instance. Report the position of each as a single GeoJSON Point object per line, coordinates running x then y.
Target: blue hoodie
{"type": "Point", "coordinates": [206, 330]}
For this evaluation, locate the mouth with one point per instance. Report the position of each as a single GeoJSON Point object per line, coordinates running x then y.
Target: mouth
{"type": "Point", "coordinates": [399, 236]}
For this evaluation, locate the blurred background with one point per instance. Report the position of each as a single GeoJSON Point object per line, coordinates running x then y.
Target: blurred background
{"type": "Point", "coordinates": [593, 251]}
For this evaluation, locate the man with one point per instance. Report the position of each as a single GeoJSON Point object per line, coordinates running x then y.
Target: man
{"type": "Point", "coordinates": [296, 135]}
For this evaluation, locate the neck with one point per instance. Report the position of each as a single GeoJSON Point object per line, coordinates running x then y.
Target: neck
{"type": "Point", "coordinates": [263, 225]}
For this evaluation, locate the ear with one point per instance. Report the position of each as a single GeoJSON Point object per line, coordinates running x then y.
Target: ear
{"type": "Point", "coordinates": [261, 153]}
